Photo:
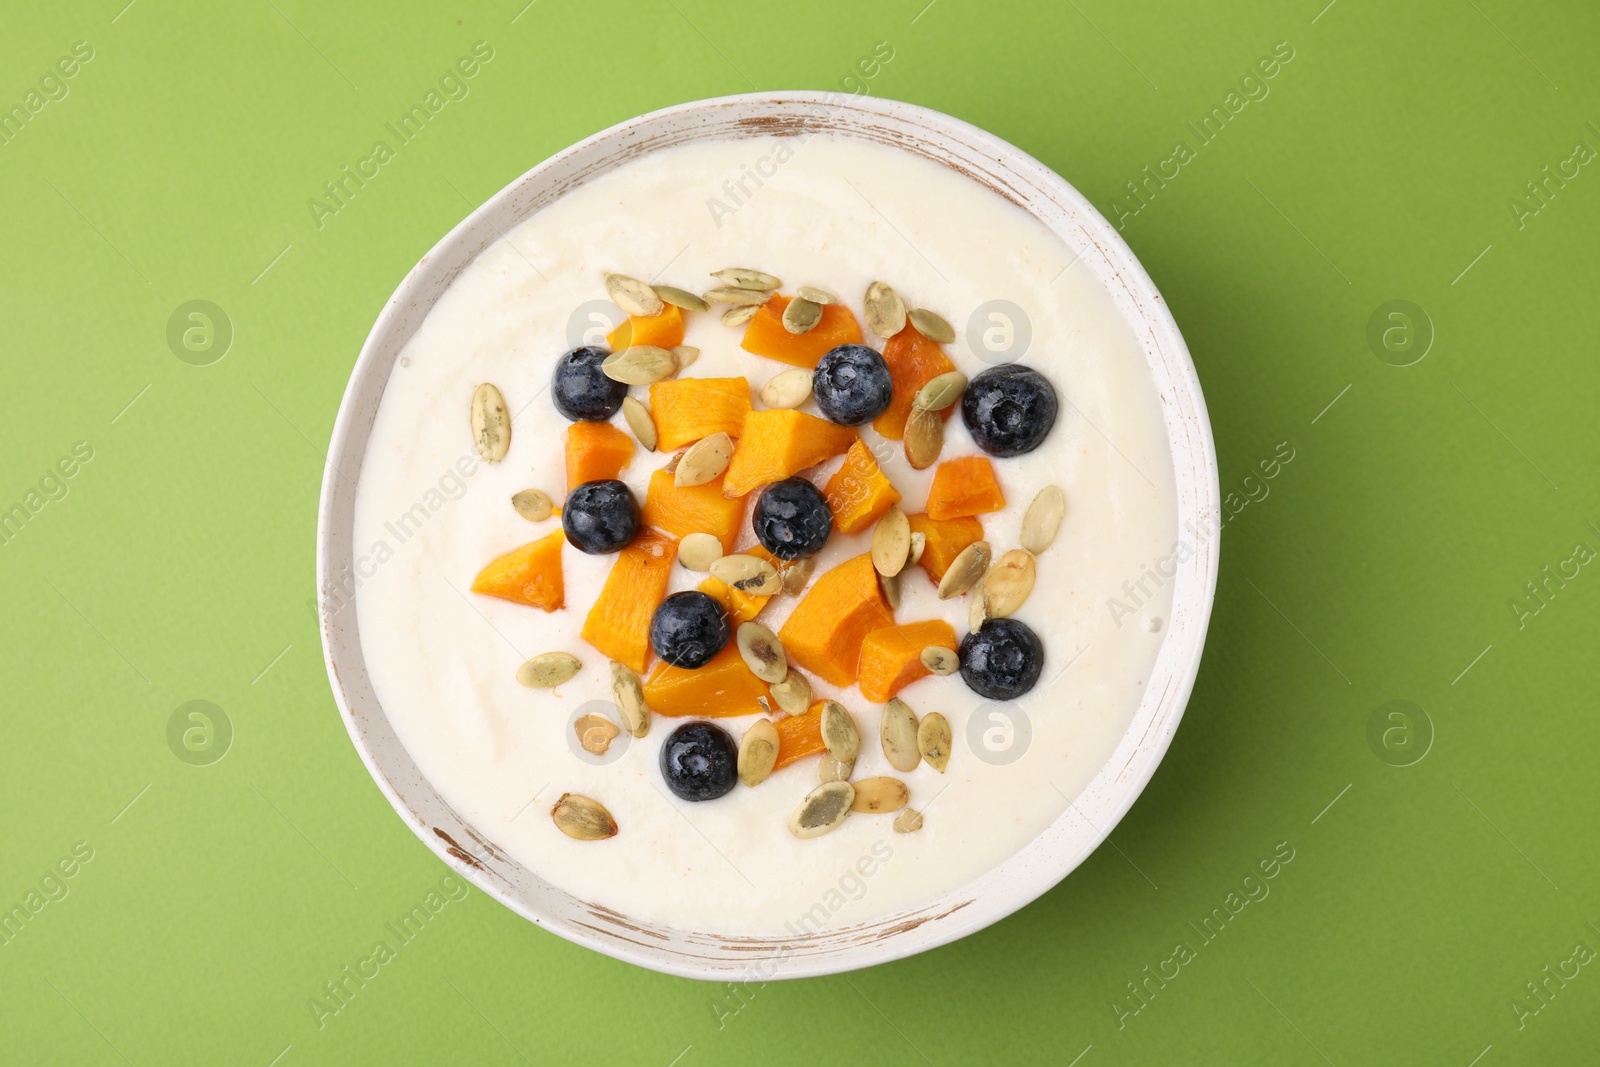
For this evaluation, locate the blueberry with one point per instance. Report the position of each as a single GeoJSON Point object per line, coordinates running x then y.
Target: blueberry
{"type": "Point", "coordinates": [581, 390]}
{"type": "Point", "coordinates": [1002, 660]}
{"type": "Point", "coordinates": [1009, 410]}
{"type": "Point", "coordinates": [792, 519]}
{"type": "Point", "coordinates": [600, 517]}
{"type": "Point", "coordinates": [852, 385]}
{"type": "Point", "coordinates": [688, 629]}
{"type": "Point", "coordinates": [699, 761]}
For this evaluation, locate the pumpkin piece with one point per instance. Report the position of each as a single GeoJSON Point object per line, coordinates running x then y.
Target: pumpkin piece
{"type": "Point", "coordinates": [800, 736]}
{"type": "Point", "coordinates": [964, 486]}
{"type": "Point", "coordinates": [681, 510]}
{"type": "Point", "coordinates": [740, 606]}
{"type": "Point", "coordinates": [945, 540]}
{"type": "Point", "coordinates": [619, 623]}
{"type": "Point", "coordinates": [528, 575]}
{"type": "Point", "coordinates": [687, 409]}
{"type": "Point", "coordinates": [913, 362]}
{"type": "Point", "coordinates": [724, 686]}
{"type": "Point", "coordinates": [776, 444]}
{"type": "Point", "coordinates": [595, 450]}
{"type": "Point", "coordinates": [858, 492]}
{"type": "Point", "coordinates": [891, 657]}
{"type": "Point", "coordinates": [767, 336]}
{"type": "Point", "coordinates": [824, 632]}
{"type": "Point", "coordinates": [664, 330]}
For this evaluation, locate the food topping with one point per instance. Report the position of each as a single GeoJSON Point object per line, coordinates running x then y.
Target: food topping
{"type": "Point", "coordinates": [1001, 661]}
{"type": "Point", "coordinates": [581, 390]}
{"type": "Point", "coordinates": [688, 629]}
{"type": "Point", "coordinates": [582, 818]}
{"type": "Point", "coordinates": [792, 519]}
{"type": "Point", "coordinates": [852, 384]}
{"type": "Point", "coordinates": [1009, 410]}
{"type": "Point", "coordinates": [600, 517]}
{"type": "Point", "coordinates": [699, 761]}
{"type": "Point", "coordinates": [548, 669]}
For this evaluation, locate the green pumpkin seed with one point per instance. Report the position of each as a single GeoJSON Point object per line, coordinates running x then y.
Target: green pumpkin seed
{"type": "Point", "coordinates": [825, 808]}
{"type": "Point", "coordinates": [934, 739]}
{"type": "Point", "coordinates": [941, 660]}
{"type": "Point", "coordinates": [737, 297]}
{"type": "Point", "coordinates": [758, 751]}
{"type": "Point", "coordinates": [797, 574]}
{"type": "Point", "coordinates": [548, 669]}
{"type": "Point", "coordinates": [627, 692]}
{"type": "Point", "coordinates": [746, 278]}
{"type": "Point", "coordinates": [891, 542]}
{"type": "Point", "coordinates": [832, 770]}
{"type": "Point", "coordinates": [762, 652]}
{"type": "Point", "coordinates": [940, 391]}
{"type": "Point", "coordinates": [1009, 582]}
{"type": "Point", "coordinates": [890, 588]}
{"type": "Point", "coordinates": [965, 570]}
{"type": "Point", "coordinates": [491, 423]}
{"type": "Point", "coordinates": [897, 733]}
{"type": "Point", "coordinates": [1042, 520]}
{"type": "Point", "coordinates": [533, 504]}
{"type": "Point", "coordinates": [815, 295]}
{"type": "Point", "coordinates": [637, 416]}
{"type": "Point", "coordinates": [582, 818]}
{"type": "Point", "coordinates": [793, 694]}
{"type": "Point", "coordinates": [919, 543]}
{"type": "Point", "coordinates": [704, 461]}
{"type": "Point", "coordinates": [686, 355]}
{"type": "Point", "coordinates": [681, 298]}
{"type": "Point", "coordinates": [908, 821]}
{"type": "Point", "coordinates": [632, 295]}
{"type": "Point", "coordinates": [879, 796]}
{"type": "Point", "coordinates": [640, 365]}
{"type": "Point", "coordinates": [801, 315]}
{"type": "Point", "coordinates": [839, 732]}
{"type": "Point", "coordinates": [748, 574]}
{"type": "Point", "coordinates": [885, 311]}
{"type": "Point", "coordinates": [931, 326]}
{"type": "Point", "coordinates": [924, 438]}
{"type": "Point", "coordinates": [740, 315]}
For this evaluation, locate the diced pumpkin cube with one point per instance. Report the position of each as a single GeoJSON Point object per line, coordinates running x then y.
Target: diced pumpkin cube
{"type": "Point", "coordinates": [725, 686]}
{"type": "Point", "coordinates": [891, 657]}
{"type": "Point", "coordinates": [858, 492]}
{"type": "Point", "coordinates": [776, 444]}
{"type": "Point", "coordinates": [913, 362]}
{"type": "Point", "coordinates": [528, 575]}
{"type": "Point", "coordinates": [962, 487]}
{"type": "Point", "coordinates": [619, 623]}
{"type": "Point", "coordinates": [683, 510]}
{"type": "Point", "coordinates": [687, 409]}
{"type": "Point", "coordinates": [945, 540]}
{"type": "Point", "coordinates": [740, 606]}
{"type": "Point", "coordinates": [800, 736]}
{"type": "Point", "coordinates": [595, 450]}
{"type": "Point", "coordinates": [824, 632]}
{"type": "Point", "coordinates": [766, 335]}
{"type": "Point", "coordinates": [664, 330]}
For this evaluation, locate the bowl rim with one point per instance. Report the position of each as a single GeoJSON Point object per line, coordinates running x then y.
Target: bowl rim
{"type": "Point", "coordinates": [1008, 886]}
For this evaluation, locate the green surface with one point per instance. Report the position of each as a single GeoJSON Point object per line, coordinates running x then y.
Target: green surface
{"type": "Point", "coordinates": [1383, 563]}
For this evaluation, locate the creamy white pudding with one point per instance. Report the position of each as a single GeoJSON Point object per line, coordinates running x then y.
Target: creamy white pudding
{"type": "Point", "coordinates": [829, 212]}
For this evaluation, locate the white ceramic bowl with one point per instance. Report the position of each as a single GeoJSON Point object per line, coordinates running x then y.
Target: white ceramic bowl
{"type": "Point", "coordinates": [1044, 861]}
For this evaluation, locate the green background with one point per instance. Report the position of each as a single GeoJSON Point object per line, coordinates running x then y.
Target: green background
{"type": "Point", "coordinates": [1381, 565]}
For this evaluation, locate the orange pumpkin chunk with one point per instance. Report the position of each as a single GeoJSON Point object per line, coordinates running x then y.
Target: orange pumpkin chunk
{"type": "Point", "coordinates": [664, 330]}
{"type": "Point", "coordinates": [681, 510]}
{"type": "Point", "coordinates": [766, 335]}
{"type": "Point", "coordinates": [913, 362]}
{"type": "Point", "coordinates": [824, 632]}
{"type": "Point", "coordinates": [962, 487]}
{"type": "Point", "coordinates": [687, 409]}
{"type": "Point", "coordinates": [891, 657]}
{"type": "Point", "coordinates": [595, 450]}
{"type": "Point", "coordinates": [740, 606]}
{"type": "Point", "coordinates": [776, 444]}
{"type": "Point", "coordinates": [619, 623]}
{"type": "Point", "coordinates": [528, 575]}
{"type": "Point", "coordinates": [800, 736]}
{"type": "Point", "coordinates": [858, 492]}
{"type": "Point", "coordinates": [945, 540]}
{"type": "Point", "coordinates": [725, 686]}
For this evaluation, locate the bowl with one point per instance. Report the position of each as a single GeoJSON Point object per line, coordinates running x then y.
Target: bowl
{"type": "Point", "coordinates": [1039, 865]}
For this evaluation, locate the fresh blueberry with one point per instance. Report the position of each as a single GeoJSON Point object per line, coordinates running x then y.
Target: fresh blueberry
{"type": "Point", "coordinates": [600, 517]}
{"type": "Point", "coordinates": [1002, 660]}
{"type": "Point", "coordinates": [699, 761]}
{"type": "Point", "coordinates": [688, 629]}
{"type": "Point", "coordinates": [1009, 410]}
{"type": "Point", "coordinates": [792, 519]}
{"type": "Point", "coordinates": [581, 390]}
{"type": "Point", "coordinates": [852, 385]}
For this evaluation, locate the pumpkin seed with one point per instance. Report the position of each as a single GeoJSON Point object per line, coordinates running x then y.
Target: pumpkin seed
{"type": "Point", "coordinates": [548, 669]}
{"type": "Point", "coordinates": [789, 389]}
{"type": "Point", "coordinates": [746, 278]}
{"type": "Point", "coordinates": [766, 707]}
{"type": "Point", "coordinates": [686, 354]}
{"type": "Point", "coordinates": [671, 465]}
{"type": "Point", "coordinates": [919, 542]}
{"type": "Point", "coordinates": [941, 660]}
{"type": "Point", "coordinates": [532, 504]}
{"type": "Point", "coordinates": [885, 311]}
{"type": "Point", "coordinates": [908, 821]}
{"type": "Point", "coordinates": [890, 587]}
{"type": "Point", "coordinates": [1008, 583]}
{"type": "Point", "coordinates": [637, 416]}
{"type": "Point", "coordinates": [491, 424]}
{"type": "Point", "coordinates": [628, 694]}
{"type": "Point", "coordinates": [815, 295]}
{"type": "Point", "coordinates": [582, 818]}
{"type": "Point", "coordinates": [705, 459]}
{"type": "Point", "coordinates": [632, 295]}
{"type": "Point", "coordinates": [698, 551]}
{"type": "Point", "coordinates": [740, 315]}
{"type": "Point", "coordinates": [832, 770]}
{"type": "Point", "coordinates": [748, 574]}
{"type": "Point", "coordinates": [839, 732]}
{"type": "Point", "coordinates": [965, 570]}
{"type": "Point", "coordinates": [758, 751]}
{"type": "Point", "coordinates": [762, 651]}
{"type": "Point", "coordinates": [823, 809]}
{"type": "Point", "coordinates": [595, 733]}
{"type": "Point", "coordinates": [897, 732]}
{"type": "Point", "coordinates": [924, 438]}
{"type": "Point", "coordinates": [940, 391]}
{"type": "Point", "coordinates": [931, 326]}
{"type": "Point", "coordinates": [891, 542]}
{"type": "Point", "coordinates": [793, 694]}
{"type": "Point", "coordinates": [878, 796]}
{"type": "Point", "coordinates": [978, 610]}
{"type": "Point", "coordinates": [801, 315]}
{"type": "Point", "coordinates": [933, 740]}
{"type": "Point", "coordinates": [681, 298]}
{"type": "Point", "coordinates": [1042, 520]}
{"type": "Point", "coordinates": [640, 365]}
{"type": "Point", "coordinates": [797, 574]}
{"type": "Point", "coordinates": [737, 297]}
